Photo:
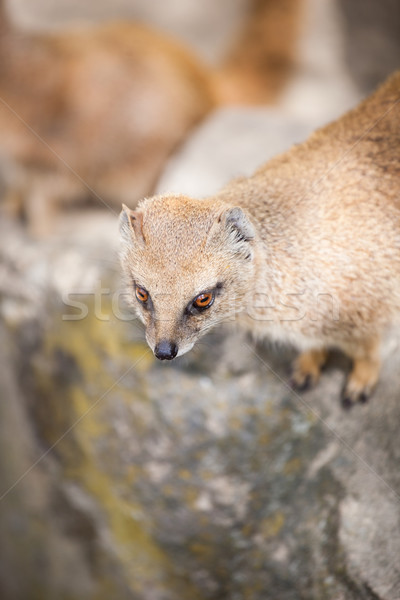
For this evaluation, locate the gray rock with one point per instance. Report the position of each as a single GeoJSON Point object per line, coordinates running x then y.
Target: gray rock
{"type": "Point", "coordinates": [230, 143]}
{"type": "Point", "coordinates": [372, 40]}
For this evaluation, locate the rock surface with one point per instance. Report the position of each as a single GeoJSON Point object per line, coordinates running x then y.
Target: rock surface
{"type": "Point", "coordinates": [232, 142]}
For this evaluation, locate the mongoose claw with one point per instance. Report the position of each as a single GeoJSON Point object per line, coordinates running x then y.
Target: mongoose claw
{"type": "Point", "coordinates": [350, 397]}
{"type": "Point", "coordinates": [347, 404]}
{"type": "Point", "coordinates": [301, 384]}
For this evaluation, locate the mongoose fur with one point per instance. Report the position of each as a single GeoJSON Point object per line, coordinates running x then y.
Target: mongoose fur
{"type": "Point", "coordinates": [306, 251]}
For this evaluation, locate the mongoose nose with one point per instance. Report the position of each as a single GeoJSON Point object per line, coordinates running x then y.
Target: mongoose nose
{"type": "Point", "coordinates": [166, 350]}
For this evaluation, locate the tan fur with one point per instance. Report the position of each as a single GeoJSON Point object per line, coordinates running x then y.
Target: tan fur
{"type": "Point", "coordinates": [111, 101]}
{"type": "Point", "coordinates": [307, 368]}
{"type": "Point", "coordinates": [312, 257]}
{"type": "Point", "coordinates": [263, 58]}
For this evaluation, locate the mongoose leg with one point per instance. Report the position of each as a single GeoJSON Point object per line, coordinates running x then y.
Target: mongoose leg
{"type": "Point", "coordinates": [364, 374]}
{"type": "Point", "coordinates": [12, 203]}
{"type": "Point", "coordinates": [307, 368]}
{"type": "Point", "coordinates": [39, 209]}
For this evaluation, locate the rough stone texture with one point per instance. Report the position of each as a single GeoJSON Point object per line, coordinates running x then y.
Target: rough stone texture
{"type": "Point", "coordinates": [372, 39]}
{"type": "Point", "coordinates": [321, 86]}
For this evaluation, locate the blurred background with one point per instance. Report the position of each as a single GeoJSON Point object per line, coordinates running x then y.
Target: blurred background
{"type": "Point", "coordinates": [122, 477]}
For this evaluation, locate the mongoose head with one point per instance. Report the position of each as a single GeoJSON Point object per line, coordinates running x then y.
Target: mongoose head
{"type": "Point", "coordinates": [189, 265]}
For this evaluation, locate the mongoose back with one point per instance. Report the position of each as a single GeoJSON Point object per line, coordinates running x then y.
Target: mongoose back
{"type": "Point", "coordinates": [305, 251]}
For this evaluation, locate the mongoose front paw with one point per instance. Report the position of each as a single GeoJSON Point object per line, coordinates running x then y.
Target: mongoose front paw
{"type": "Point", "coordinates": [355, 392]}
{"type": "Point", "coordinates": [361, 381]}
{"type": "Point", "coordinates": [301, 382]}
{"type": "Point", "coordinates": [306, 369]}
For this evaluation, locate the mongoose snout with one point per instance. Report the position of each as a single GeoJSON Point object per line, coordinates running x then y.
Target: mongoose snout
{"type": "Point", "coordinates": [166, 350]}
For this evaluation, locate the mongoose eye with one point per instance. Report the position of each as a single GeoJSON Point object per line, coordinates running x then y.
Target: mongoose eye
{"type": "Point", "coordinates": [141, 294]}
{"type": "Point", "coordinates": [203, 300]}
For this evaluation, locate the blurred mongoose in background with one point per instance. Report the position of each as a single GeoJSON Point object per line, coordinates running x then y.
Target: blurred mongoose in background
{"type": "Point", "coordinates": [306, 251]}
{"type": "Point", "coordinates": [96, 108]}
{"type": "Point", "coordinates": [265, 53]}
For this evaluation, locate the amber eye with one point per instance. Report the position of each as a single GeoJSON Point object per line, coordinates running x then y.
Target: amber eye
{"type": "Point", "coordinates": [204, 300]}
{"type": "Point", "coordinates": [141, 294]}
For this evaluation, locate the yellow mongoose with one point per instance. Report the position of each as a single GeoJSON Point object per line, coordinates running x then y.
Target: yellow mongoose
{"type": "Point", "coordinates": [307, 250]}
{"type": "Point", "coordinates": [98, 107]}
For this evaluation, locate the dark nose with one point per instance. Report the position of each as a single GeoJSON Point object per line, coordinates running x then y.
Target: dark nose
{"type": "Point", "coordinates": [166, 350]}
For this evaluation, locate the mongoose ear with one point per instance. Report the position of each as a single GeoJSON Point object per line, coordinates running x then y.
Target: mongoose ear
{"type": "Point", "coordinates": [236, 220]}
{"type": "Point", "coordinates": [238, 232]}
{"type": "Point", "coordinates": [131, 225]}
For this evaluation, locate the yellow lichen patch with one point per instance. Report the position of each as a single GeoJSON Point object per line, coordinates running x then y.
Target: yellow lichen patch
{"type": "Point", "coordinates": [247, 531]}
{"type": "Point", "coordinates": [191, 497]}
{"type": "Point", "coordinates": [205, 551]}
{"type": "Point", "coordinates": [169, 491]}
{"type": "Point", "coordinates": [252, 411]}
{"type": "Point", "coordinates": [264, 439]}
{"type": "Point", "coordinates": [292, 466]}
{"type": "Point", "coordinates": [132, 543]}
{"type": "Point", "coordinates": [85, 421]}
{"type": "Point", "coordinates": [131, 474]}
{"type": "Point", "coordinates": [312, 417]}
{"type": "Point", "coordinates": [252, 589]}
{"type": "Point", "coordinates": [138, 354]}
{"type": "Point", "coordinates": [141, 559]}
{"type": "Point", "coordinates": [268, 408]}
{"type": "Point", "coordinates": [85, 360]}
{"type": "Point", "coordinates": [93, 338]}
{"type": "Point", "coordinates": [271, 526]}
{"type": "Point", "coordinates": [206, 474]}
{"type": "Point", "coordinates": [185, 474]}
{"type": "Point", "coordinates": [235, 422]}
